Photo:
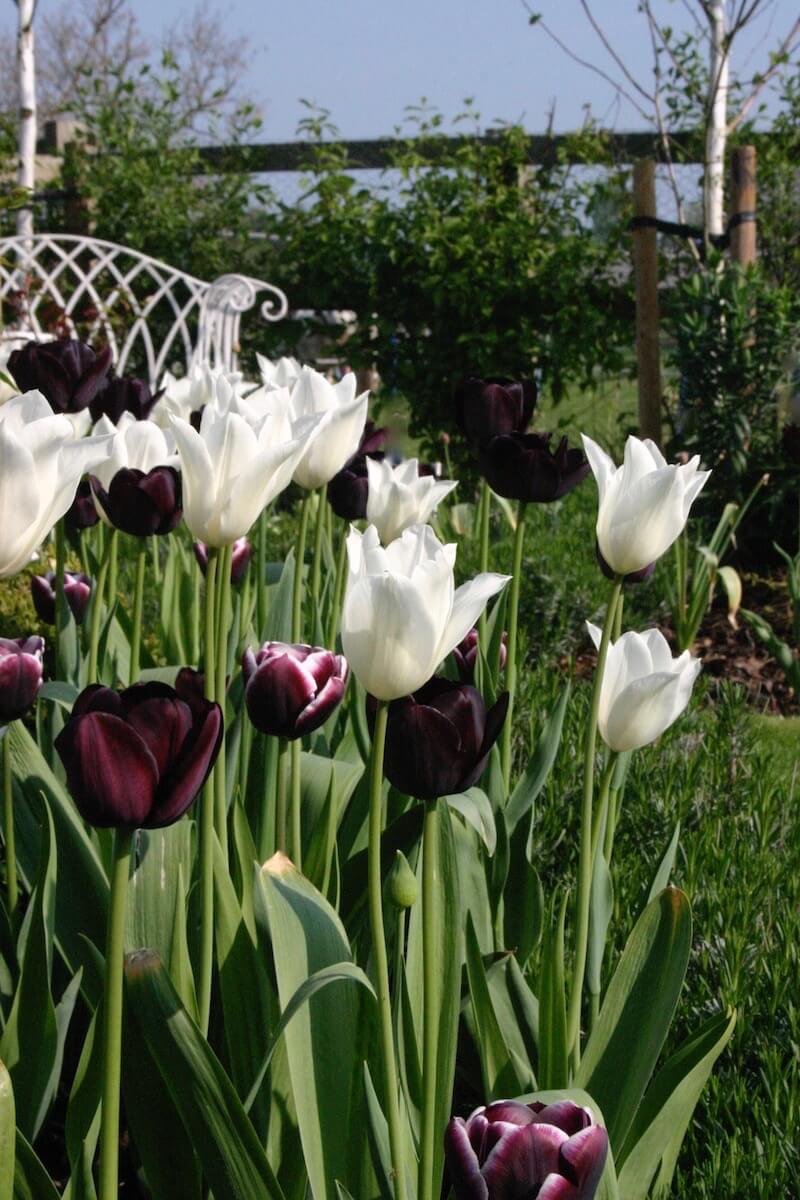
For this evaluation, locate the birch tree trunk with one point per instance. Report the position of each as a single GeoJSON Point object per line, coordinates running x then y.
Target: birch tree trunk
{"type": "Point", "coordinates": [26, 73]}
{"type": "Point", "coordinates": [716, 129]}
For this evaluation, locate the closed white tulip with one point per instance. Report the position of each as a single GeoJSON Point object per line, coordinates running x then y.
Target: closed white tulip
{"type": "Point", "coordinates": [402, 613]}
{"type": "Point", "coordinates": [643, 504]}
{"type": "Point", "coordinates": [232, 469]}
{"type": "Point", "coordinates": [399, 496]}
{"type": "Point", "coordinates": [343, 417]}
{"type": "Point", "coordinates": [41, 463]}
{"type": "Point", "coordinates": [643, 690]}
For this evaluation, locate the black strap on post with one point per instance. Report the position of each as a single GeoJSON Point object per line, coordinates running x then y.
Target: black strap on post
{"type": "Point", "coordinates": [720, 241]}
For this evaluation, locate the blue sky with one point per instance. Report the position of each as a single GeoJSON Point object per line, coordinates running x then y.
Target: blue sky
{"type": "Point", "coordinates": [366, 59]}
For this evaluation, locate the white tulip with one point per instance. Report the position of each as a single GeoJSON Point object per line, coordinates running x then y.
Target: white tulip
{"type": "Point", "coordinates": [140, 445]}
{"type": "Point", "coordinates": [399, 496]}
{"type": "Point", "coordinates": [194, 391]}
{"type": "Point", "coordinates": [643, 504]}
{"type": "Point", "coordinates": [344, 416]}
{"type": "Point", "coordinates": [41, 464]}
{"type": "Point", "coordinates": [402, 613]}
{"type": "Point", "coordinates": [643, 690]}
{"type": "Point", "coordinates": [232, 469]}
{"type": "Point", "coordinates": [282, 373]}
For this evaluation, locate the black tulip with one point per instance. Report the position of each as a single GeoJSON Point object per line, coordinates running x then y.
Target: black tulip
{"type": "Point", "coordinates": [349, 489]}
{"type": "Point", "coordinates": [142, 504]}
{"type": "Point", "coordinates": [77, 590]}
{"type": "Point", "coordinates": [21, 674]}
{"type": "Point", "coordinates": [438, 739]}
{"type": "Point", "coordinates": [82, 513]}
{"type": "Point", "coordinates": [291, 690]}
{"type": "Point", "coordinates": [137, 758]}
{"type": "Point", "coordinates": [487, 408]}
{"type": "Point", "coordinates": [68, 373]}
{"type": "Point", "coordinates": [521, 466]}
{"type": "Point", "coordinates": [123, 395]}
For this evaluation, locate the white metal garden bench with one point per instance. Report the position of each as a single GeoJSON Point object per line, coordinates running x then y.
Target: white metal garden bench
{"type": "Point", "coordinates": [147, 311]}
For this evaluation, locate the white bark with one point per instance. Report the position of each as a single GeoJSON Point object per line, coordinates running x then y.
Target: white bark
{"type": "Point", "coordinates": [26, 74]}
{"type": "Point", "coordinates": [717, 127]}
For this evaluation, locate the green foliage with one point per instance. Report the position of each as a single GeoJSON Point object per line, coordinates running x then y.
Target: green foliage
{"type": "Point", "coordinates": [138, 166]}
{"type": "Point", "coordinates": [731, 333]}
{"type": "Point", "coordinates": [462, 259]}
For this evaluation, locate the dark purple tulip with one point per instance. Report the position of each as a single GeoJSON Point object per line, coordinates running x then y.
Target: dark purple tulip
{"type": "Point", "coordinates": [466, 655]}
{"type": "Point", "coordinates": [513, 1151]}
{"type": "Point", "coordinates": [77, 589]}
{"type": "Point", "coordinates": [348, 490]}
{"type": "Point", "coordinates": [292, 690]}
{"type": "Point", "coordinates": [640, 576]}
{"type": "Point", "coordinates": [438, 740]}
{"type": "Point", "coordinates": [82, 513]}
{"type": "Point", "coordinates": [123, 395]}
{"type": "Point", "coordinates": [140, 503]}
{"type": "Point", "coordinates": [521, 466]}
{"type": "Point", "coordinates": [21, 674]}
{"type": "Point", "coordinates": [487, 408]}
{"type": "Point", "coordinates": [241, 553]}
{"type": "Point", "coordinates": [137, 758]}
{"type": "Point", "coordinates": [67, 372]}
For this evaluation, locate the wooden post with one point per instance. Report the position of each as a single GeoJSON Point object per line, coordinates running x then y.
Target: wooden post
{"type": "Point", "coordinates": [743, 200]}
{"type": "Point", "coordinates": [645, 268]}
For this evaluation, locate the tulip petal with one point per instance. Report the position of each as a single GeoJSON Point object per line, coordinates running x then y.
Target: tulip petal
{"type": "Point", "coordinates": [182, 783]}
{"type": "Point", "coordinates": [462, 1163]}
{"type": "Point", "coordinates": [111, 773]}
{"type": "Point", "coordinates": [163, 724]}
{"type": "Point", "coordinates": [389, 636]}
{"type": "Point", "coordinates": [276, 694]}
{"type": "Point", "coordinates": [522, 1160]}
{"type": "Point", "coordinates": [645, 708]}
{"type": "Point", "coordinates": [583, 1157]}
{"type": "Point", "coordinates": [556, 1187]}
{"type": "Point", "coordinates": [602, 465]}
{"type": "Point", "coordinates": [469, 601]}
{"type": "Point", "coordinates": [320, 708]}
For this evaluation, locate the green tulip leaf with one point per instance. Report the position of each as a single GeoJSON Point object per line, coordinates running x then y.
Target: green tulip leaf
{"type": "Point", "coordinates": [475, 807]}
{"type": "Point", "coordinates": [540, 765]}
{"type": "Point", "coordinates": [639, 1004]}
{"type": "Point", "coordinates": [665, 867]}
{"type": "Point", "coordinates": [7, 1135]}
{"type": "Point", "coordinates": [31, 1181]}
{"type": "Point", "coordinates": [216, 1125]}
{"type": "Point", "coordinates": [647, 1159]}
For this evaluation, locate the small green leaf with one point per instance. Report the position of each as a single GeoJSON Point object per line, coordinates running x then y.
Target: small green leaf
{"type": "Point", "coordinates": [540, 765]}
{"type": "Point", "coordinates": [7, 1135]}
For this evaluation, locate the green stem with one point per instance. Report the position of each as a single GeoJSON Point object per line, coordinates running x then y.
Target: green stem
{"type": "Point", "coordinates": [602, 801]}
{"type": "Point", "coordinates": [156, 559]}
{"type": "Point", "coordinates": [485, 510]}
{"type": "Point", "coordinates": [316, 561]}
{"type": "Point", "coordinates": [223, 620]}
{"type": "Point", "coordinates": [259, 568]}
{"type": "Point", "coordinates": [296, 802]}
{"type": "Point", "coordinates": [585, 857]}
{"type": "Point", "coordinates": [62, 610]}
{"type": "Point", "coordinates": [97, 605]}
{"type": "Point", "coordinates": [341, 574]}
{"type": "Point", "coordinates": [511, 661]}
{"type": "Point", "coordinates": [112, 1020]}
{"type": "Point", "coordinates": [611, 826]}
{"type": "Point", "coordinates": [138, 606]}
{"type": "Point", "coordinates": [391, 1102]}
{"type": "Point", "coordinates": [114, 569]}
{"type": "Point", "coordinates": [8, 825]}
{"type": "Point", "coordinates": [207, 810]}
{"type": "Point", "coordinates": [299, 557]}
{"type": "Point", "coordinates": [195, 613]}
{"type": "Point", "coordinates": [282, 798]}
{"type": "Point", "coordinates": [430, 967]}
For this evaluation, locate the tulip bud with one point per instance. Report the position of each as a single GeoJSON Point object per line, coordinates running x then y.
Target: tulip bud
{"type": "Point", "coordinates": [402, 882]}
{"type": "Point", "coordinates": [83, 513]}
{"type": "Point", "coordinates": [137, 758]}
{"type": "Point", "coordinates": [241, 553]}
{"type": "Point", "coordinates": [523, 467]}
{"type": "Point", "coordinates": [77, 590]}
{"type": "Point", "coordinates": [439, 738]}
{"type": "Point", "coordinates": [123, 395]}
{"type": "Point", "coordinates": [141, 503]}
{"type": "Point", "coordinates": [643, 690]}
{"type": "Point", "coordinates": [67, 372]}
{"type": "Point", "coordinates": [510, 1150]}
{"type": "Point", "coordinates": [291, 690]}
{"type": "Point", "coordinates": [487, 408]}
{"type": "Point", "coordinates": [643, 504]}
{"type": "Point", "coordinates": [466, 655]}
{"type": "Point", "coordinates": [21, 674]}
